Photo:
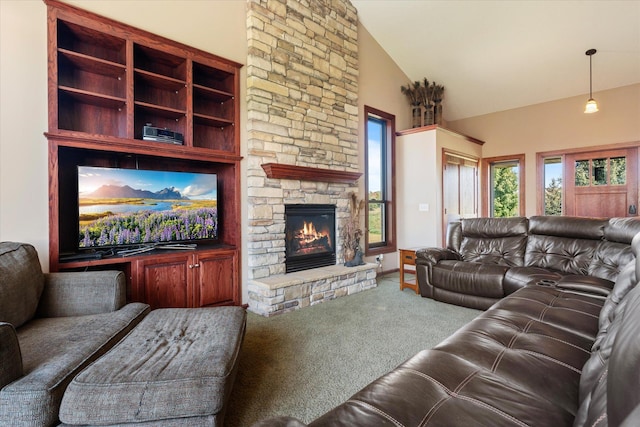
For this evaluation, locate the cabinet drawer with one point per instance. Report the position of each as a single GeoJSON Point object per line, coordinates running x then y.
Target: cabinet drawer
{"type": "Point", "coordinates": [408, 257]}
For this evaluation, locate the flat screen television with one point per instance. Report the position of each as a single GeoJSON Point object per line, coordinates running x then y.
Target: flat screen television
{"type": "Point", "coordinates": [129, 207]}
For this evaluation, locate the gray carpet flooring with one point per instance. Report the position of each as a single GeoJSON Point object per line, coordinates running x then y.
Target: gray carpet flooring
{"type": "Point", "coordinates": [305, 362]}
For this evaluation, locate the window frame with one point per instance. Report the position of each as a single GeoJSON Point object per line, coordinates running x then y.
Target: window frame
{"type": "Point", "coordinates": [487, 163]}
{"type": "Point", "coordinates": [541, 202]}
{"type": "Point", "coordinates": [388, 182]}
{"type": "Point", "coordinates": [562, 153]}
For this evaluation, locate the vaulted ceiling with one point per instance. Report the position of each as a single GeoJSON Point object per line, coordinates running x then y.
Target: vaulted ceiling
{"type": "Point", "coordinates": [498, 55]}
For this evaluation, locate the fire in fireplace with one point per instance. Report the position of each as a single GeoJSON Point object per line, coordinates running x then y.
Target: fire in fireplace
{"type": "Point", "coordinates": [309, 236]}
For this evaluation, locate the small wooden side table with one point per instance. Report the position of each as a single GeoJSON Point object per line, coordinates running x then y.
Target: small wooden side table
{"type": "Point", "coordinates": [408, 258]}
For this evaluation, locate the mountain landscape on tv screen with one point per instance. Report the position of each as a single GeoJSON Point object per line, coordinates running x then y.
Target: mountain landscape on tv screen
{"type": "Point", "coordinates": [125, 192]}
{"type": "Point", "coordinates": [132, 207]}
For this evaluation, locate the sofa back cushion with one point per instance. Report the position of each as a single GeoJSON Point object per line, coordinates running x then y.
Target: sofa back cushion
{"type": "Point", "coordinates": [623, 383]}
{"type": "Point", "coordinates": [613, 253]}
{"type": "Point", "coordinates": [454, 236]}
{"type": "Point", "coordinates": [596, 372]}
{"type": "Point", "coordinates": [21, 282]}
{"type": "Point", "coordinates": [610, 378]}
{"type": "Point", "coordinates": [494, 240]}
{"type": "Point", "coordinates": [562, 243]}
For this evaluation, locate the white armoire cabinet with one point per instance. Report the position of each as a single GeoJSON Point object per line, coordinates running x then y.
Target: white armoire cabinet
{"type": "Point", "coordinates": [436, 171]}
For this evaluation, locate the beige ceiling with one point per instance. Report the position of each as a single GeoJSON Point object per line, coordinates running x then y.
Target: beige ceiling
{"type": "Point", "coordinates": [498, 55]}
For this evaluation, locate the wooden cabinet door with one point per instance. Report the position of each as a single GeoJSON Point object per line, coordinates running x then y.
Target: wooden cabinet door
{"type": "Point", "coordinates": [459, 189]}
{"type": "Point", "coordinates": [215, 280]}
{"type": "Point", "coordinates": [164, 281]}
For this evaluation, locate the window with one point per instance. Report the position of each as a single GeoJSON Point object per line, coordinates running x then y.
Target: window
{"type": "Point", "coordinates": [552, 185]}
{"type": "Point", "coordinates": [504, 185]}
{"type": "Point", "coordinates": [379, 185]}
{"type": "Point", "coordinates": [605, 171]}
{"type": "Point", "coordinates": [601, 182]}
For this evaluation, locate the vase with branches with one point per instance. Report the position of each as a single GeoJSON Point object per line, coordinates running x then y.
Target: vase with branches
{"type": "Point", "coordinates": [427, 102]}
{"type": "Point", "coordinates": [353, 233]}
{"type": "Point", "coordinates": [413, 92]}
{"type": "Point", "coordinates": [438, 96]}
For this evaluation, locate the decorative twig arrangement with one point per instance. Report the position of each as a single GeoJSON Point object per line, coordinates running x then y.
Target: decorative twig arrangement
{"type": "Point", "coordinates": [427, 94]}
{"type": "Point", "coordinates": [352, 230]}
{"type": "Point", "coordinates": [424, 93]}
{"type": "Point", "coordinates": [413, 93]}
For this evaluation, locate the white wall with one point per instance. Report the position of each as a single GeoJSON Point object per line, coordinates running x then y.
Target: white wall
{"type": "Point", "coordinates": [23, 118]}
{"type": "Point", "coordinates": [417, 179]}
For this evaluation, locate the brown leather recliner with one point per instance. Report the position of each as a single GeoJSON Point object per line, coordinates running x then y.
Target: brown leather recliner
{"type": "Point", "coordinates": [489, 258]}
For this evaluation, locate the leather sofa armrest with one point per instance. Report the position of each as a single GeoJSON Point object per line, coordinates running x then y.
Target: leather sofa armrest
{"type": "Point", "coordinates": [425, 260]}
{"type": "Point", "coordinates": [433, 255]}
{"type": "Point", "coordinates": [10, 356]}
{"type": "Point", "coordinates": [586, 284]}
{"type": "Point", "coordinates": [82, 293]}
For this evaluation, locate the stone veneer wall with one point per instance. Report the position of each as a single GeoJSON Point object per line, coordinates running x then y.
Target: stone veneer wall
{"type": "Point", "coordinates": [302, 93]}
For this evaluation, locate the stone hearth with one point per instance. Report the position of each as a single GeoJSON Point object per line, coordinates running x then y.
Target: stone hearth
{"type": "Point", "coordinates": [287, 292]}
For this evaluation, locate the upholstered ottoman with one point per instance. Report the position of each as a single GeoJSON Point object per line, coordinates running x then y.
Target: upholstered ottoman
{"type": "Point", "coordinates": [176, 367]}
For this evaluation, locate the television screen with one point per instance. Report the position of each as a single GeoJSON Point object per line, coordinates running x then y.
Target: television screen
{"type": "Point", "coordinates": [119, 207]}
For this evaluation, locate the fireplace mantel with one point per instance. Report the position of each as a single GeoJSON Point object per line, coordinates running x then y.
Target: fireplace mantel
{"type": "Point", "coordinates": [306, 173]}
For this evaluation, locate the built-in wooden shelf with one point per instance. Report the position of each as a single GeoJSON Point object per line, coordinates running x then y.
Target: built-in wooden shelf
{"type": "Point", "coordinates": [106, 82]}
{"type": "Point", "coordinates": [305, 173]}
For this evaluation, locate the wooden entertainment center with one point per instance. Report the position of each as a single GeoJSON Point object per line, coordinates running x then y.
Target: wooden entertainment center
{"type": "Point", "coordinates": [107, 80]}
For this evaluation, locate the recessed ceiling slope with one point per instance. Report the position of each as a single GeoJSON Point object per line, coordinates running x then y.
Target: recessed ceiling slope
{"type": "Point", "coordinates": [498, 55]}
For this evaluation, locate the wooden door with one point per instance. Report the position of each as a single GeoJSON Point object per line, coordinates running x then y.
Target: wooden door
{"type": "Point", "coordinates": [164, 281]}
{"type": "Point", "coordinates": [215, 275]}
{"type": "Point", "coordinates": [459, 188]}
{"type": "Point", "coordinates": [602, 183]}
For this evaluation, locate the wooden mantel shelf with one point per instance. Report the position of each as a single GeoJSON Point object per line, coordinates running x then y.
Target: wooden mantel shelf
{"type": "Point", "coordinates": [305, 173]}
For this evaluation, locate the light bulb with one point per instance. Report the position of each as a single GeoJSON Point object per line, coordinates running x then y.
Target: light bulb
{"type": "Point", "coordinates": [591, 107]}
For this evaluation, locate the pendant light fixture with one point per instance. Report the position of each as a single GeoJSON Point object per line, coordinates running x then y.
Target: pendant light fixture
{"type": "Point", "coordinates": [592, 105]}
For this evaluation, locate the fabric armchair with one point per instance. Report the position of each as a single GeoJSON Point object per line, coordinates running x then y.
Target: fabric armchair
{"type": "Point", "coordinates": [82, 293]}
{"type": "Point", "coordinates": [11, 366]}
{"type": "Point", "coordinates": [51, 327]}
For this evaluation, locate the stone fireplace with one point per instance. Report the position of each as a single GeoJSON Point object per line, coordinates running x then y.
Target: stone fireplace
{"type": "Point", "coordinates": [302, 114]}
{"type": "Point", "coordinates": [310, 236]}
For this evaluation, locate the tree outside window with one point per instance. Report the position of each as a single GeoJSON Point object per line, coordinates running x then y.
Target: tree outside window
{"type": "Point", "coordinates": [553, 185]}
{"type": "Point", "coordinates": [602, 171]}
{"type": "Point", "coordinates": [505, 191]}
{"type": "Point", "coordinates": [505, 186]}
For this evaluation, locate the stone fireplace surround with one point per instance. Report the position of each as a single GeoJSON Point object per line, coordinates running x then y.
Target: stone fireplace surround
{"type": "Point", "coordinates": [279, 293]}
{"type": "Point", "coordinates": [302, 115]}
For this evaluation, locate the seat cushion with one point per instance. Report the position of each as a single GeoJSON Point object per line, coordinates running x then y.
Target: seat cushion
{"type": "Point", "coordinates": [470, 278]}
{"type": "Point", "coordinates": [53, 351]}
{"type": "Point", "coordinates": [21, 282]}
{"type": "Point", "coordinates": [176, 363]}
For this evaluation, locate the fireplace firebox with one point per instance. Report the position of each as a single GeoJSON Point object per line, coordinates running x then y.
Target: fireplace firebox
{"type": "Point", "coordinates": [310, 232]}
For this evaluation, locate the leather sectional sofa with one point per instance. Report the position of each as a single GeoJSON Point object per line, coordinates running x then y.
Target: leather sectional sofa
{"type": "Point", "coordinates": [544, 355]}
{"type": "Point", "coordinates": [487, 259]}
